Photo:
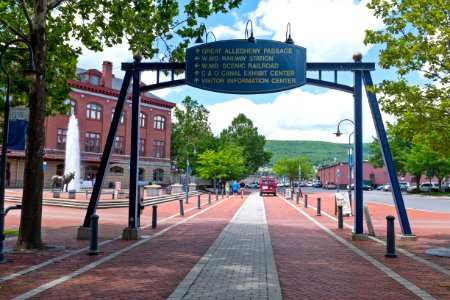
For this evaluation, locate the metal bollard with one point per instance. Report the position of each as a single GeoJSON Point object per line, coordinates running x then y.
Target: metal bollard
{"type": "Point", "coordinates": [93, 244]}
{"type": "Point", "coordinates": [297, 199]}
{"type": "Point", "coordinates": [217, 195]}
{"type": "Point", "coordinates": [340, 218]}
{"type": "Point", "coordinates": [390, 238]}
{"type": "Point", "coordinates": [318, 207]}
{"type": "Point", "coordinates": [209, 197]}
{"type": "Point", "coordinates": [154, 215]}
{"type": "Point", "coordinates": [198, 201]}
{"type": "Point", "coordinates": [306, 201]}
{"type": "Point", "coordinates": [222, 193]}
{"type": "Point", "coordinates": [181, 208]}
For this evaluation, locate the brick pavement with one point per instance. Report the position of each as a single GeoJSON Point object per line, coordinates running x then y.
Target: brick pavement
{"type": "Point", "coordinates": [311, 263]}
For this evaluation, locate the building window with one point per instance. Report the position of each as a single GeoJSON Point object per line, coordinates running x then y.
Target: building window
{"type": "Point", "coordinates": [61, 138]}
{"type": "Point", "coordinates": [141, 147]}
{"type": "Point", "coordinates": [158, 175]}
{"type": "Point", "coordinates": [158, 149]}
{"type": "Point", "coordinates": [118, 145]}
{"type": "Point", "coordinates": [60, 170]}
{"type": "Point", "coordinates": [95, 80]}
{"type": "Point", "coordinates": [141, 174]}
{"type": "Point", "coordinates": [92, 142]}
{"type": "Point", "coordinates": [143, 120]}
{"type": "Point", "coordinates": [116, 170]}
{"type": "Point", "coordinates": [84, 77]}
{"type": "Point", "coordinates": [159, 123]}
{"type": "Point", "coordinates": [93, 111]}
{"type": "Point", "coordinates": [121, 117]}
{"type": "Point", "coordinates": [72, 105]}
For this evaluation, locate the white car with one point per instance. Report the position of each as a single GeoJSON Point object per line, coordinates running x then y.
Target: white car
{"type": "Point", "coordinates": [429, 186]}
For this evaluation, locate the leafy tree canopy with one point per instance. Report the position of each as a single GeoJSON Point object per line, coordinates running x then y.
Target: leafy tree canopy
{"type": "Point", "coordinates": [290, 167]}
{"type": "Point", "coordinates": [416, 39]}
{"type": "Point", "coordinates": [225, 164]}
{"type": "Point", "coordinates": [190, 125]}
{"type": "Point", "coordinates": [243, 133]}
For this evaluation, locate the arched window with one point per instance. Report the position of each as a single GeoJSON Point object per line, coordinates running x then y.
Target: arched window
{"type": "Point", "coordinates": [159, 123]}
{"type": "Point", "coordinates": [93, 111]}
{"type": "Point", "coordinates": [121, 117]}
{"type": "Point", "coordinates": [72, 105]}
{"type": "Point", "coordinates": [143, 120]}
{"type": "Point", "coordinates": [158, 175]}
{"type": "Point", "coordinates": [116, 170]}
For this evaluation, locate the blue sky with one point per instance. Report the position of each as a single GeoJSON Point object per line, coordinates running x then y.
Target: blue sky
{"type": "Point", "coordinates": [330, 30]}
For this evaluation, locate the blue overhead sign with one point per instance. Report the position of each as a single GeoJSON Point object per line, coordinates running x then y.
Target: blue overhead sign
{"type": "Point", "coordinates": [241, 67]}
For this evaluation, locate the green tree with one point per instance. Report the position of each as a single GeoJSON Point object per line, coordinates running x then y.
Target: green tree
{"type": "Point", "coordinates": [225, 164]}
{"type": "Point", "coordinates": [190, 125]}
{"type": "Point", "coordinates": [290, 168]}
{"type": "Point", "coordinates": [399, 151]}
{"type": "Point", "coordinates": [242, 133]}
{"type": "Point", "coordinates": [156, 27]}
{"type": "Point", "coordinates": [415, 40]}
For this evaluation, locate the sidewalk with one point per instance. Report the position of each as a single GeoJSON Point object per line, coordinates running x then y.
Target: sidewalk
{"type": "Point", "coordinates": [233, 248]}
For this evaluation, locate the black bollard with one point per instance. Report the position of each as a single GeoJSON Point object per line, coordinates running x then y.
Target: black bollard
{"type": "Point", "coordinates": [198, 201]}
{"type": "Point", "coordinates": [154, 215]}
{"type": "Point", "coordinates": [306, 201]}
{"type": "Point", "coordinates": [297, 200]}
{"type": "Point", "coordinates": [340, 218]}
{"type": "Point", "coordinates": [217, 195]}
{"type": "Point", "coordinates": [93, 245]}
{"type": "Point", "coordinates": [181, 208]}
{"type": "Point", "coordinates": [222, 193]}
{"type": "Point", "coordinates": [390, 238]}
{"type": "Point", "coordinates": [318, 207]}
{"type": "Point", "coordinates": [209, 197]}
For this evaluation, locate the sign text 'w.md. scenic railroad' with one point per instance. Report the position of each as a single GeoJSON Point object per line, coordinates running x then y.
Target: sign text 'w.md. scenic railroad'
{"type": "Point", "coordinates": [241, 67]}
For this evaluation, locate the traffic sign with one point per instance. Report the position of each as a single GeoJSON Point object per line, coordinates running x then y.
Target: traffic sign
{"type": "Point", "coordinates": [242, 67]}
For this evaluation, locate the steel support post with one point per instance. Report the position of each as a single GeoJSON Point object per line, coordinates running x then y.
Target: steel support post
{"type": "Point", "coordinates": [359, 205]}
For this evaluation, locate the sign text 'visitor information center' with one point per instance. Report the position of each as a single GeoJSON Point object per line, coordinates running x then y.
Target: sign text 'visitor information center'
{"type": "Point", "coordinates": [242, 67]}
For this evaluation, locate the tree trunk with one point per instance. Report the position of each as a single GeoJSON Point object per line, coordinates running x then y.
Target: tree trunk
{"type": "Point", "coordinates": [31, 217]}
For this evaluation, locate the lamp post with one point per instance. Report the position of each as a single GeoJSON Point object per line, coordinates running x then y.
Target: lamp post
{"type": "Point", "coordinates": [350, 158]}
{"type": "Point", "coordinates": [30, 73]}
{"type": "Point", "coordinates": [194, 152]}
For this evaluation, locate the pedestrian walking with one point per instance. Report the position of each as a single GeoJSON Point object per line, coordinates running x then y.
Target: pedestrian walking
{"type": "Point", "coordinates": [227, 189]}
{"type": "Point", "coordinates": [235, 187]}
{"type": "Point", "coordinates": [241, 187]}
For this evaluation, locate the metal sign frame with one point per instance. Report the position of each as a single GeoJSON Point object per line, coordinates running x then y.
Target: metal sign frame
{"type": "Point", "coordinates": [361, 73]}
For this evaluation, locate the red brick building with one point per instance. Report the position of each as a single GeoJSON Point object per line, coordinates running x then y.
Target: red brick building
{"type": "Point", "coordinates": [93, 99]}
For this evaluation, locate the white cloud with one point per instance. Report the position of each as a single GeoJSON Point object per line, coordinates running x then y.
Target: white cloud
{"type": "Point", "coordinates": [296, 115]}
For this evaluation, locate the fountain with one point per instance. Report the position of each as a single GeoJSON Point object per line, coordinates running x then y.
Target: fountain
{"type": "Point", "coordinates": [72, 158]}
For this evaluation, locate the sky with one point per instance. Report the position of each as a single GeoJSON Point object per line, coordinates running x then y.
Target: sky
{"type": "Point", "coordinates": [330, 30]}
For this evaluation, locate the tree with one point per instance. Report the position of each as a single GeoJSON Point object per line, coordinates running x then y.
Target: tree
{"type": "Point", "coordinates": [290, 168]}
{"type": "Point", "coordinates": [416, 40]}
{"type": "Point", "coordinates": [225, 164]}
{"type": "Point", "coordinates": [190, 125]}
{"type": "Point", "coordinates": [242, 133]}
{"type": "Point", "coordinates": [399, 151]}
{"type": "Point", "coordinates": [151, 27]}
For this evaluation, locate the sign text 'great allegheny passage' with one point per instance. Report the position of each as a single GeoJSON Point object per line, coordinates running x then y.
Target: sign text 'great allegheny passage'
{"type": "Point", "coordinates": [241, 67]}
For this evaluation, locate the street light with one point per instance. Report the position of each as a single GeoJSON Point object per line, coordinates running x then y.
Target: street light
{"type": "Point", "coordinates": [350, 158]}
{"type": "Point", "coordinates": [30, 73]}
{"type": "Point", "coordinates": [194, 152]}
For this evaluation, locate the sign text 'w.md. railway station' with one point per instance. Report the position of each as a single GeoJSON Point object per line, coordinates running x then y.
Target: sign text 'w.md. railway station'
{"type": "Point", "coordinates": [241, 67]}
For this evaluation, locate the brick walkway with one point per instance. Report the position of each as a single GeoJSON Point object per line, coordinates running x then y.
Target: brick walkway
{"type": "Point", "coordinates": [314, 260]}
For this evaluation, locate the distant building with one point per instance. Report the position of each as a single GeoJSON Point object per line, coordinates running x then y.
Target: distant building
{"type": "Point", "coordinates": [371, 176]}
{"type": "Point", "coordinates": [93, 99]}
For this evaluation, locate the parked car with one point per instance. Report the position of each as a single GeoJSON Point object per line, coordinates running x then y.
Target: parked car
{"type": "Point", "coordinates": [429, 186]}
{"type": "Point", "coordinates": [329, 186]}
{"type": "Point", "coordinates": [316, 185]}
{"type": "Point", "coordinates": [252, 185]}
{"type": "Point", "coordinates": [365, 187]}
{"type": "Point", "coordinates": [411, 188]}
{"type": "Point", "coordinates": [386, 187]}
{"type": "Point", "coordinates": [403, 186]}
{"type": "Point", "coordinates": [268, 186]}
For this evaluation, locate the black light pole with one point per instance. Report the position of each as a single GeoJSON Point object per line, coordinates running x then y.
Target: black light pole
{"type": "Point", "coordinates": [194, 152]}
{"type": "Point", "coordinates": [350, 158]}
{"type": "Point", "coordinates": [30, 73]}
